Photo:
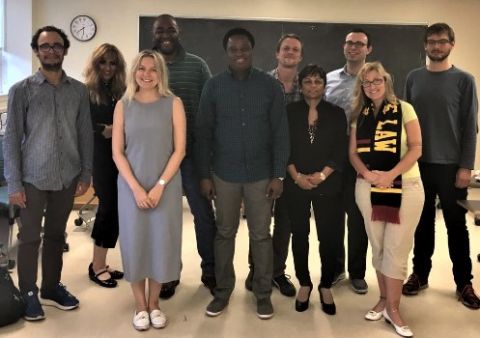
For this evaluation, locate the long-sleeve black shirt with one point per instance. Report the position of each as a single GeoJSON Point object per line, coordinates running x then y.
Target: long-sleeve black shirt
{"type": "Point", "coordinates": [329, 147]}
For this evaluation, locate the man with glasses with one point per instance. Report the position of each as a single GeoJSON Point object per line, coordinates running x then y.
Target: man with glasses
{"type": "Point", "coordinates": [340, 83]}
{"type": "Point", "coordinates": [187, 73]}
{"type": "Point", "coordinates": [289, 54]}
{"type": "Point", "coordinates": [48, 149]}
{"type": "Point", "coordinates": [445, 99]}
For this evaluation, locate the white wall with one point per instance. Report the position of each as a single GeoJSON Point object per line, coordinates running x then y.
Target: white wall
{"type": "Point", "coordinates": [17, 56]}
{"type": "Point", "coordinates": [117, 20]}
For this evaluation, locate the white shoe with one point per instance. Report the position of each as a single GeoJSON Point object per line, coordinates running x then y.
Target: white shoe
{"type": "Point", "coordinates": [403, 331]}
{"type": "Point", "coordinates": [141, 321]}
{"type": "Point", "coordinates": [158, 319]}
{"type": "Point", "coordinates": [373, 315]}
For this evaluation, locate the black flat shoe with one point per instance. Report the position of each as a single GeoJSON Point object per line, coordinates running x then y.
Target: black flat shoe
{"type": "Point", "coordinates": [108, 283]}
{"type": "Point", "coordinates": [303, 306]}
{"type": "Point", "coordinates": [115, 273]}
{"type": "Point", "coordinates": [329, 309]}
{"type": "Point", "coordinates": [168, 289]}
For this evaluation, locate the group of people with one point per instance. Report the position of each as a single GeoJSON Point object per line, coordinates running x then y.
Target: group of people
{"type": "Point", "coordinates": [290, 139]}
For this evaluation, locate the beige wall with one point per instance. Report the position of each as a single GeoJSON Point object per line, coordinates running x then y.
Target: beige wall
{"type": "Point", "coordinates": [117, 20]}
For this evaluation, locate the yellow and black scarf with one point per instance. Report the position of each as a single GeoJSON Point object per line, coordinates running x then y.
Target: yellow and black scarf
{"type": "Point", "coordinates": [378, 145]}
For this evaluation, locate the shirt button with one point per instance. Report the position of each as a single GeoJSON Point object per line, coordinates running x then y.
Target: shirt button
{"type": "Point", "coordinates": [243, 109]}
{"type": "Point", "coordinates": [243, 124]}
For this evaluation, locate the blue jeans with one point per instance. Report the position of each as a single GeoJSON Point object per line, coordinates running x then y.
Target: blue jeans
{"type": "Point", "coordinates": [203, 217]}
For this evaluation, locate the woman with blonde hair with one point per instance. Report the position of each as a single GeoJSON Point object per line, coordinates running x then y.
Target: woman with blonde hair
{"type": "Point", "coordinates": [385, 143]}
{"type": "Point", "coordinates": [105, 80]}
{"type": "Point", "coordinates": [149, 136]}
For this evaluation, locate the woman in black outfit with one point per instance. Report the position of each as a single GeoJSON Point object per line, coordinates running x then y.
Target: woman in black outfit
{"type": "Point", "coordinates": [318, 152]}
{"type": "Point", "coordinates": [105, 80]}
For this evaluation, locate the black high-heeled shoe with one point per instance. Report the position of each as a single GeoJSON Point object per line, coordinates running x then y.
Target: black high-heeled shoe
{"type": "Point", "coordinates": [329, 309]}
{"type": "Point", "coordinates": [108, 283]}
{"type": "Point", "coordinates": [303, 306]}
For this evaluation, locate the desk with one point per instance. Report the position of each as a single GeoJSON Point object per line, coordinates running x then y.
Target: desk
{"type": "Point", "coordinates": [474, 207]}
{"type": "Point", "coordinates": [471, 205]}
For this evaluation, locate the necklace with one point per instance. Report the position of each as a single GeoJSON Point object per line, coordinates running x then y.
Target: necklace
{"type": "Point", "coordinates": [311, 132]}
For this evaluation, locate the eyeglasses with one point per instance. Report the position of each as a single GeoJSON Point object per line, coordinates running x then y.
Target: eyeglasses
{"type": "Point", "coordinates": [56, 48]}
{"type": "Point", "coordinates": [441, 42]}
{"type": "Point", "coordinates": [376, 82]}
{"type": "Point", "coordinates": [358, 44]}
{"type": "Point", "coordinates": [308, 82]}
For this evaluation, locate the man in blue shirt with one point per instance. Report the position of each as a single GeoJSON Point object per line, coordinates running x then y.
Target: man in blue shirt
{"type": "Point", "coordinates": [242, 150]}
{"type": "Point", "coordinates": [339, 90]}
{"type": "Point", "coordinates": [48, 151]}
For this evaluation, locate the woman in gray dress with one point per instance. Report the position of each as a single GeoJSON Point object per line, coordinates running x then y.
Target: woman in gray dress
{"type": "Point", "coordinates": [149, 136]}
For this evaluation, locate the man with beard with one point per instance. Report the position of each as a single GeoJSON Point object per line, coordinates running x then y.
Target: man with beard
{"type": "Point", "coordinates": [242, 150]}
{"type": "Point", "coordinates": [445, 100]}
{"type": "Point", "coordinates": [187, 73]}
{"type": "Point", "coordinates": [339, 91]}
{"type": "Point", "coordinates": [48, 148]}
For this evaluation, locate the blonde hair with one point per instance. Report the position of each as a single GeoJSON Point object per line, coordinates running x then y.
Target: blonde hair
{"type": "Point", "coordinates": [93, 81]}
{"type": "Point", "coordinates": [161, 67]}
{"type": "Point", "coordinates": [359, 99]}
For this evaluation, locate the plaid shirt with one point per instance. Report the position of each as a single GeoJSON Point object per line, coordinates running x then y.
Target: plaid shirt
{"type": "Point", "coordinates": [295, 94]}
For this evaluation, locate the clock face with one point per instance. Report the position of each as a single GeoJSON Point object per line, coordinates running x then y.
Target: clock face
{"type": "Point", "coordinates": [83, 28]}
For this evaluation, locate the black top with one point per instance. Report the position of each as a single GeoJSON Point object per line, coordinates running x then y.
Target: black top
{"type": "Point", "coordinates": [103, 166]}
{"type": "Point", "coordinates": [329, 146]}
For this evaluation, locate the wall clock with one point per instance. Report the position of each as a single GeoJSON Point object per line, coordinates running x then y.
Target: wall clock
{"type": "Point", "coordinates": [83, 28]}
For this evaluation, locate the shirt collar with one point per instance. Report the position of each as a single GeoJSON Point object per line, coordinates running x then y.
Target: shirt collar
{"type": "Point", "coordinates": [250, 72]}
{"type": "Point", "coordinates": [40, 78]}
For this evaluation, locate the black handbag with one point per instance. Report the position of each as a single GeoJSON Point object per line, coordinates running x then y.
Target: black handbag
{"type": "Point", "coordinates": [12, 306]}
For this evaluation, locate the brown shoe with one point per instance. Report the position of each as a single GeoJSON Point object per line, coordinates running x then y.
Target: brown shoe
{"type": "Point", "coordinates": [414, 285]}
{"type": "Point", "coordinates": [468, 297]}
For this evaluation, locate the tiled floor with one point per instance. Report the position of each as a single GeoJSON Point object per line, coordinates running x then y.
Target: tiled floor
{"type": "Point", "coordinates": [108, 312]}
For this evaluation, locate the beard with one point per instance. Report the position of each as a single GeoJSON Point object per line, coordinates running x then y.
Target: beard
{"type": "Point", "coordinates": [52, 67]}
{"type": "Point", "coordinates": [438, 57]}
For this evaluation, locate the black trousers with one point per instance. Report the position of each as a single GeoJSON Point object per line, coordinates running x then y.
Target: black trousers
{"type": "Point", "coordinates": [328, 218]}
{"type": "Point", "coordinates": [56, 206]}
{"type": "Point", "coordinates": [105, 228]}
{"type": "Point", "coordinates": [439, 179]}
{"type": "Point", "coordinates": [357, 236]}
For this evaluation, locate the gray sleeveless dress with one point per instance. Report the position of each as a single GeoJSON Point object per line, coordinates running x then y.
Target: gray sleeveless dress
{"type": "Point", "coordinates": [150, 240]}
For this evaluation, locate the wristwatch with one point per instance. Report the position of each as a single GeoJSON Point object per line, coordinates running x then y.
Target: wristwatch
{"type": "Point", "coordinates": [162, 182]}
{"type": "Point", "coordinates": [322, 176]}
{"type": "Point", "coordinates": [280, 178]}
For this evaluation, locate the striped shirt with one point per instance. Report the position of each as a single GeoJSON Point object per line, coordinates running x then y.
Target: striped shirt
{"type": "Point", "coordinates": [48, 140]}
{"type": "Point", "coordinates": [243, 124]}
{"type": "Point", "coordinates": [187, 75]}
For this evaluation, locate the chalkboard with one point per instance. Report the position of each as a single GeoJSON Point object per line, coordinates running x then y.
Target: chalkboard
{"type": "Point", "coordinates": [398, 47]}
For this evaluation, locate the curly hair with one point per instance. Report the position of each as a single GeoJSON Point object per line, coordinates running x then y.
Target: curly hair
{"type": "Point", "coordinates": [94, 82]}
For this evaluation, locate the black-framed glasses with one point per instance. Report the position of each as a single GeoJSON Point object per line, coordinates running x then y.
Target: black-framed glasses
{"type": "Point", "coordinates": [311, 82]}
{"type": "Point", "coordinates": [375, 82]}
{"type": "Point", "coordinates": [358, 44]}
{"type": "Point", "coordinates": [56, 48]}
{"type": "Point", "coordinates": [441, 42]}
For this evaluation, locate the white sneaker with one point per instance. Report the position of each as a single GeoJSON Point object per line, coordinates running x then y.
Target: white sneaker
{"type": "Point", "coordinates": [141, 321]}
{"type": "Point", "coordinates": [158, 319]}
